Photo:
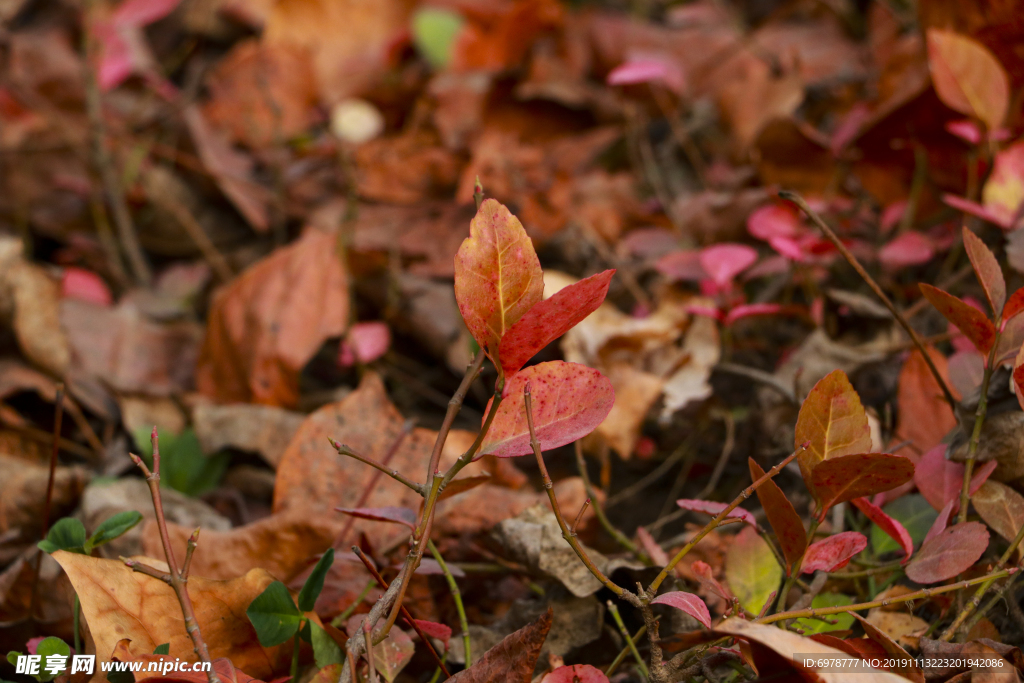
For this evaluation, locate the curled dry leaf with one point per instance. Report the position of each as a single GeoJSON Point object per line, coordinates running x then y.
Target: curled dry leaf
{"type": "Point", "coordinates": [267, 324]}
{"type": "Point", "coordinates": [687, 602]}
{"type": "Point", "coordinates": [1001, 507]}
{"type": "Point", "coordinates": [497, 275]}
{"type": "Point", "coordinates": [987, 269]}
{"type": "Point", "coordinates": [569, 401]}
{"type": "Point", "coordinates": [851, 476]}
{"type": "Point", "coordinates": [890, 526]}
{"type": "Point", "coordinates": [965, 317]}
{"type": "Point", "coordinates": [949, 553]}
{"type": "Point", "coordinates": [782, 517]}
{"type": "Point", "coordinates": [36, 314]}
{"type": "Point", "coordinates": [550, 319]}
{"type": "Point", "coordinates": [120, 603]}
{"type": "Point", "coordinates": [833, 422]}
{"type": "Point", "coordinates": [834, 552]}
{"type": "Point", "coordinates": [968, 77]}
{"type": "Point", "coordinates": [511, 660]}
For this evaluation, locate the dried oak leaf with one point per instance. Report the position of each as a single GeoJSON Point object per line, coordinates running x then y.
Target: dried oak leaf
{"type": "Point", "coordinates": [118, 603]}
{"type": "Point", "coordinates": [266, 325]}
{"type": "Point", "coordinates": [513, 659]}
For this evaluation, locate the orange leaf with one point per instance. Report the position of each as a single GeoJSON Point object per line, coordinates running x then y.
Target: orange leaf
{"type": "Point", "coordinates": [833, 422]}
{"type": "Point", "coordinates": [782, 516]}
{"type": "Point", "coordinates": [919, 394]}
{"type": "Point", "coordinates": [862, 474]}
{"type": "Point", "coordinates": [987, 269]}
{"type": "Point", "coordinates": [967, 318]}
{"type": "Point", "coordinates": [968, 77]}
{"type": "Point", "coordinates": [497, 275]}
{"type": "Point", "coordinates": [569, 401]}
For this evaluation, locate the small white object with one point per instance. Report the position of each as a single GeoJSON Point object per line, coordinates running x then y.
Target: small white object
{"type": "Point", "coordinates": [356, 121]}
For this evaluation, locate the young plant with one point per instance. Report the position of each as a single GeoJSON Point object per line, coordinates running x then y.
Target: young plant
{"type": "Point", "coordinates": [53, 656]}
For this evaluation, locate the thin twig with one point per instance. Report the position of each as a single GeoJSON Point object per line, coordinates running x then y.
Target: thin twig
{"type": "Point", "coordinates": [852, 260]}
{"type": "Point", "coordinates": [588, 486]}
{"type": "Point", "coordinates": [453, 587]}
{"type": "Point", "coordinates": [648, 479]}
{"type": "Point", "coordinates": [579, 516]}
{"type": "Point", "coordinates": [766, 378]}
{"type": "Point", "coordinates": [629, 641]}
{"type": "Point", "coordinates": [979, 421]}
{"type": "Point", "coordinates": [626, 649]}
{"type": "Point", "coordinates": [57, 419]}
{"type": "Point", "coordinates": [371, 674]}
{"type": "Point", "coordinates": [394, 474]}
{"type": "Point", "coordinates": [723, 459]}
{"type": "Point", "coordinates": [196, 233]}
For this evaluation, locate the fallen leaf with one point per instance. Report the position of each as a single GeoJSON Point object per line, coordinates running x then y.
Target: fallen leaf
{"type": "Point", "coordinates": [688, 603]}
{"type": "Point", "coordinates": [497, 275]}
{"type": "Point", "coordinates": [968, 77]}
{"type": "Point", "coordinates": [635, 394]}
{"type": "Point", "coordinates": [513, 659]}
{"type": "Point", "coordinates": [692, 381]}
{"type": "Point", "coordinates": [847, 477]}
{"type": "Point", "coordinates": [407, 168]}
{"type": "Point", "coordinates": [967, 318]}
{"type": "Point", "coordinates": [949, 553]}
{"type": "Point", "coordinates": [258, 429]}
{"type": "Point", "coordinates": [834, 552]}
{"type": "Point", "coordinates": [1001, 507]}
{"type": "Point", "coordinates": [577, 673]}
{"type": "Point", "coordinates": [782, 517]}
{"type": "Point", "coordinates": [906, 249]}
{"type": "Point", "coordinates": [221, 666]}
{"type": "Point", "coordinates": [25, 484]}
{"type": "Point", "coordinates": [35, 318]}
{"type": "Point", "coordinates": [712, 508]}
{"type": "Point", "coordinates": [918, 393]}
{"type": "Point", "coordinates": [894, 529]}
{"type": "Point", "coordinates": [723, 262]}
{"type": "Point", "coordinates": [900, 660]}
{"type": "Point", "coordinates": [391, 654]}
{"type": "Point", "coordinates": [569, 401]}
{"type": "Point", "coordinates": [120, 603]}
{"type": "Point", "coordinates": [751, 570]}
{"type": "Point", "coordinates": [834, 423]}
{"type": "Point", "coordinates": [549, 319]}
{"type": "Point", "coordinates": [987, 269]}
{"type": "Point", "coordinates": [364, 343]}
{"type": "Point", "coordinates": [397, 515]}
{"type": "Point", "coordinates": [267, 324]}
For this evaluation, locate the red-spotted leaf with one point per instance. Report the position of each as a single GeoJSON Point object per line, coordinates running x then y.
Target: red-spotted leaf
{"type": "Point", "coordinates": [575, 673]}
{"type": "Point", "coordinates": [862, 474]}
{"type": "Point", "coordinates": [569, 401]}
{"type": "Point", "coordinates": [1001, 507]}
{"type": "Point", "coordinates": [398, 515]}
{"type": "Point", "coordinates": [942, 521]}
{"type": "Point", "coordinates": [550, 319]}
{"type": "Point", "coordinates": [706, 577]}
{"type": "Point", "coordinates": [832, 422]}
{"type": "Point", "coordinates": [890, 526]}
{"type": "Point", "coordinates": [1014, 305]}
{"type": "Point", "coordinates": [687, 602]}
{"type": "Point", "coordinates": [497, 274]}
{"type": "Point", "coordinates": [949, 553]}
{"type": "Point", "coordinates": [968, 77]}
{"type": "Point", "coordinates": [987, 269]}
{"type": "Point", "coordinates": [782, 517]}
{"type": "Point", "coordinates": [712, 508]}
{"type": "Point", "coordinates": [967, 318]}
{"type": "Point", "coordinates": [723, 262]}
{"type": "Point", "coordinates": [834, 552]}
{"type": "Point", "coordinates": [435, 630]}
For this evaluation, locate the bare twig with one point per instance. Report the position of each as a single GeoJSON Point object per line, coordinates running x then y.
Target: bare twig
{"type": "Point", "coordinates": [620, 537]}
{"type": "Point", "coordinates": [723, 459]}
{"type": "Point", "coordinates": [57, 419]}
{"type": "Point", "coordinates": [178, 580]}
{"type": "Point", "coordinates": [381, 467]}
{"type": "Point", "coordinates": [579, 516]}
{"type": "Point", "coordinates": [852, 260]}
{"type": "Point", "coordinates": [979, 421]}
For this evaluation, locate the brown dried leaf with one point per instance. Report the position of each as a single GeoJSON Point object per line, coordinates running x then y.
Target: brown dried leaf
{"type": "Point", "coordinates": [1001, 507]}
{"type": "Point", "coordinates": [24, 494]}
{"type": "Point", "coordinates": [919, 394]}
{"type": "Point", "coordinates": [513, 659]}
{"type": "Point", "coordinates": [266, 324]}
{"type": "Point", "coordinates": [260, 429]}
{"type": "Point", "coordinates": [36, 321]}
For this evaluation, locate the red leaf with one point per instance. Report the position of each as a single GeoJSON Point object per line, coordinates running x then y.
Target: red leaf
{"type": "Point", "coordinates": [940, 480]}
{"type": "Point", "coordinates": [86, 285]}
{"type": "Point", "coordinates": [987, 269]}
{"type": "Point", "coordinates": [682, 264]}
{"type": "Point", "coordinates": [908, 249]}
{"type": "Point", "coordinates": [706, 577]}
{"type": "Point", "coordinates": [497, 274]}
{"type": "Point", "coordinates": [569, 401]}
{"type": "Point", "coordinates": [398, 515]}
{"type": "Point", "coordinates": [1018, 376]}
{"type": "Point", "coordinates": [834, 552]}
{"type": "Point", "coordinates": [652, 68]}
{"type": "Point", "coordinates": [989, 213]}
{"type": "Point", "coordinates": [1014, 305]}
{"type": "Point", "coordinates": [782, 517]}
{"type": "Point", "coordinates": [852, 476]}
{"type": "Point", "coordinates": [747, 310]}
{"type": "Point", "coordinates": [651, 547]}
{"type": "Point", "coordinates": [687, 602]}
{"type": "Point", "coordinates": [511, 660]}
{"type": "Point", "coordinates": [942, 521]}
{"type": "Point", "coordinates": [435, 630]}
{"type": "Point", "coordinates": [550, 319]}
{"type": "Point", "coordinates": [890, 526]}
{"type": "Point", "coordinates": [951, 552]}
{"type": "Point", "coordinates": [968, 77]}
{"type": "Point", "coordinates": [919, 394]}
{"type": "Point", "coordinates": [774, 220]}
{"type": "Point", "coordinates": [364, 343]}
{"type": "Point", "coordinates": [711, 508]}
{"type": "Point", "coordinates": [723, 262]}
{"type": "Point", "coordinates": [967, 318]}
{"type": "Point", "coordinates": [576, 673]}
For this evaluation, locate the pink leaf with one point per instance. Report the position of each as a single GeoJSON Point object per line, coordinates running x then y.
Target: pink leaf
{"type": "Point", "coordinates": [723, 262]}
{"type": "Point", "coordinates": [86, 285]}
{"type": "Point", "coordinates": [576, 673]}
{"type": "Point", "coordinates": [647, 69]}
{"type": "Point", "coordinates": [709, 311]}
{"type": "Point", "coordinates": [967, 318]}
{"type": "Point", "coordinates": [950, 552]}
{"type": "Point", "coordinates": [834, 552]}
{"type": "Point", "coordinates": [687, 602]}
{"type": "Point", "coordinates": [364, 343]}
{"type": "Point", "coordinates": [682, 264]}
{"type": "Point", "coordinates": [976, 209]}
{"type": "Point", "coordinates": [892, 215]}
{"type": "Point", "coordinates": [398, 515]}
{"type": "Point", "coordinates": [788, 247]}
{"type": "Point", "coordinates": [550, 319]}
{"type": "Point", "coordinates": [706, 577]}
{"type": "Point", "coordinates": [890, 526]}
{"type": "Point", "coordinates": [651, 547]}
{"type": "Point", "coordinates": [940, 480]}
{"type": "Point", "coordinates": [965, 129]}
{"type": "Point", "coordinates": [711, 508]}
{"type": "Point", "coordinates": [435, 630]}
{"type": "Point", "coordinates": [908, 249]}
{"type": "Point", "coordinates": [942, 521]}
{"type": "Point", "coordinates": [774, 220]}
{"type": "Point", "coordinates": [748, 310]}
{"type": "Point", "coordinates": [569, 401]}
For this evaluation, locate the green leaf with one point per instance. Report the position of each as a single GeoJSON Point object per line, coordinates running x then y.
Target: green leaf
{"type": "Point", "coordinates": [112, 527]}
{"type": "Point", "coordinates": [67, 534]}
{"type": "Point", "coordinates": [315, 583]}
{"type": "Point", "coordinates": [843, 621]}
{"type": "Point", "coordinates": [51, 646]}
{"type": "Point", "coordinates": [433, 32]}
{"type": "Point", "coordinates": [12, 657]}
{"type": "Point", "coordinates": [751, 570]}
{"type": "Point", "coordinates": [183, 465]}
{"type": "Point", "coordinates": [916, 516]}
{"type": "Point", "coordinates": [325, 650]}
{"type": "Point", "coordinates": [274, 616]}
{"type": "Point", "coordinates": [164, 649]}
{"type": "Point", "coordinates": [121, 677]}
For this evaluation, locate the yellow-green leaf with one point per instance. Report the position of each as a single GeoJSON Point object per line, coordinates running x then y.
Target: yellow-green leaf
{"type": "Point", "coordinates": [832, 422]}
